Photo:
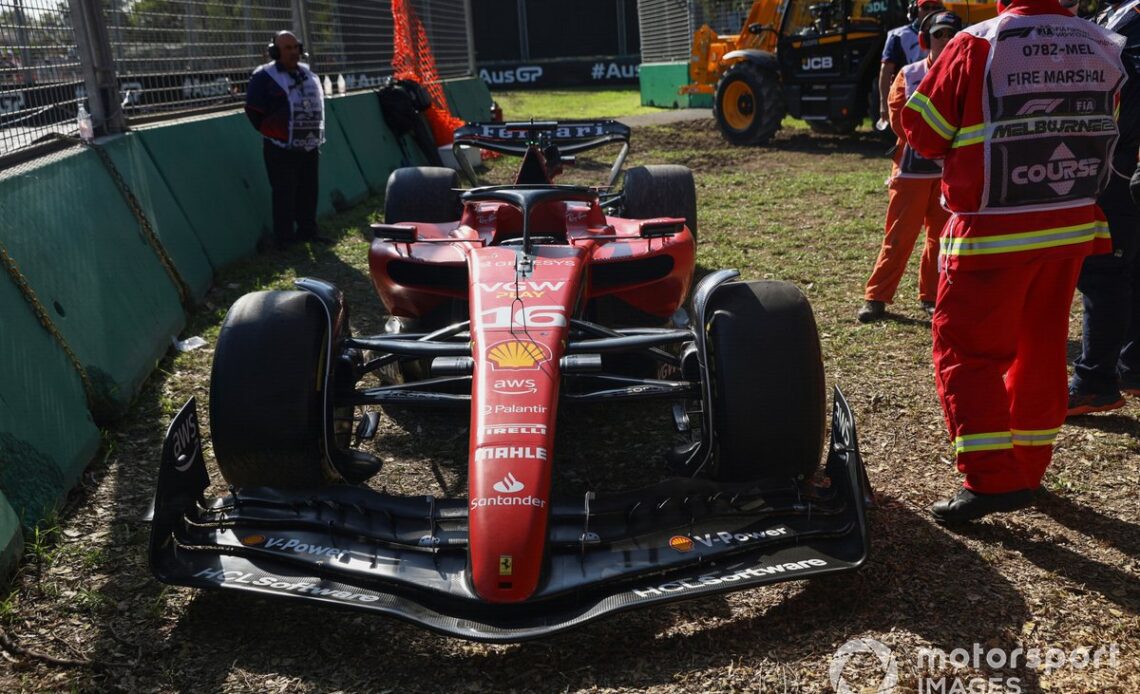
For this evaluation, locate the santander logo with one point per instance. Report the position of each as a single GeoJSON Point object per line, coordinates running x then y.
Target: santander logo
{"type": "Point", "coordinates": [509, 485]}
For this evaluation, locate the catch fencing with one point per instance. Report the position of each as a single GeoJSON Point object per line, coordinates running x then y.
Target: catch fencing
{"type": "Point", "coordinates": [135, 61]}
{"type": "Point", "coordinates": [667, 25]}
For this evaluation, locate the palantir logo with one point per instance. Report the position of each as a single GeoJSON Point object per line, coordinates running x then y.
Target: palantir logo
{"type": "Point", "coordinates": [508, 485]}
{"type": "Point", "coordinates": [886, 660]}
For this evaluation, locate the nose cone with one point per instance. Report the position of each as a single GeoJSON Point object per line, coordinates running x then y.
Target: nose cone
{"type": "Point", "coordinates": [508, 521]}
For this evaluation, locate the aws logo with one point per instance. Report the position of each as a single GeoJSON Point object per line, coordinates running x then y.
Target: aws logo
{"type": "Point", "coordinates": [514, 386]}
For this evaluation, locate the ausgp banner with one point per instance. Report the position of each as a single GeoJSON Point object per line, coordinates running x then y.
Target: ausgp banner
{"type": "Point", "coordinates": [546, 74]}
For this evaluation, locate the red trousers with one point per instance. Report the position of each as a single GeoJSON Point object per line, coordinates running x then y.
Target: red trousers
{"type": "Point", "coordinates": [913, 203]}
{"type": "Point", "coordinates": [999, 362]}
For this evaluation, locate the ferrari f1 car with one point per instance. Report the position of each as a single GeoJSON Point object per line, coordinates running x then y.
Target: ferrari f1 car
{"type": "Point", "coordinates": [510, 302]}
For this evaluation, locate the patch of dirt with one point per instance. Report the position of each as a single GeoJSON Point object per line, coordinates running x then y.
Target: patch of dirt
{"type": "Point", "coordinates": [1065, 575]}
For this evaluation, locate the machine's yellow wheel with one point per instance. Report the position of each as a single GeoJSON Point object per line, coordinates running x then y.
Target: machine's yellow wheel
{"type": "Point", "coordinates": [749, 104]}
{"type": "Point", "coordinates": [739, 105]}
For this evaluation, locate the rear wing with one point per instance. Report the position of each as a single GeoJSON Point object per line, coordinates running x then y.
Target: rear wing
{"type": "Point", "coordinates": [569, 136]}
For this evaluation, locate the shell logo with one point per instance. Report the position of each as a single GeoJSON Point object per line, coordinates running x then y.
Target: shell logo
{"type": "Point", "coordinates": [681, 543]}
{"type": "Point", "coordinates": [514, 354]}
{"type": "Point", "coordinates": [252, 540]}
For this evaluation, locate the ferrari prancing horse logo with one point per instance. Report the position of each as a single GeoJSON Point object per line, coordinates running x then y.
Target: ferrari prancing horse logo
{"type": "Point", "coordinates": [506, 565]}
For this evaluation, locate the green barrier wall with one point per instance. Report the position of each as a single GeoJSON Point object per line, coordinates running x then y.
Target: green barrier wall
{"type": "Point", "coordinates": [11, 539]}
{"type": "Point", "coordinates": [214, 169]}
{"type": "Point", "coordinates": [342, 184]}
{"type": "Point", "coordinates": [163, 211]}
{"type": "Point", "coordinates": [79, 246]}
{"type": "Point", "coordinates": [468, 98]}
{"type": "Point", "coordinates": [46, 434]}
{"type": "Point", "coordinates": [370, 142]}
{"type": "Point", "coordinates": [660, 83]}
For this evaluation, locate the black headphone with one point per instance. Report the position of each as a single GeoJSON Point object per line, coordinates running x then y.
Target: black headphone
{"type": "Point", "coordinates": [274, 51]}
{"type": "Point", "coordinates": [924, 31]}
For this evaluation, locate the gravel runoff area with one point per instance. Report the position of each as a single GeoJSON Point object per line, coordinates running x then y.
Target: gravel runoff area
{"type": "Point", "coordinates": [84, 613]}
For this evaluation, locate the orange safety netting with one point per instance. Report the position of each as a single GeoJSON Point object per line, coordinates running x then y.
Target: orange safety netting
{"type": "Point", "coordinates": [412, 59]}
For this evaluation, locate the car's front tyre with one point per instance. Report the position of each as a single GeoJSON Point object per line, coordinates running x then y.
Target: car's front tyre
{"type": "Point", "coordinates": [767, 382]}
{"type": "Point", "coordinates": [268, 397]}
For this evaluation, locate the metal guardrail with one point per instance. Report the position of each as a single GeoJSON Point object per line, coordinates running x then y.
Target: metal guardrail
{"type": "Point", "coordinates": [146, 60]}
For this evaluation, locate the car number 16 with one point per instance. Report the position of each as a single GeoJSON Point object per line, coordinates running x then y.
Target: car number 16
{"type": "Point", "coordinates": [525, 317]}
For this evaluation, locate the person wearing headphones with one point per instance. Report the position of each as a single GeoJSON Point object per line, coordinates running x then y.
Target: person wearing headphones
{"type": "Point", "coordinates": [901, 47]}
{"type": "Point", "coordinates": [915, 193]}
{"type": "Point", "coordinates": [1021, 109]}
{"type": "Point", "coordinates": [1109, 363]}
{"type": "Point", "coordinates": [285, 103]}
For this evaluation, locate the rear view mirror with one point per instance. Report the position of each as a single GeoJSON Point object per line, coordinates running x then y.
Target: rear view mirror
{"type": "Point", "coordinates": [400, 233]}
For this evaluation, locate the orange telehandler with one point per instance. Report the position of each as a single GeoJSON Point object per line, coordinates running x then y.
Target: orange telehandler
{"type": "Point", "coordinates": [814, 60]}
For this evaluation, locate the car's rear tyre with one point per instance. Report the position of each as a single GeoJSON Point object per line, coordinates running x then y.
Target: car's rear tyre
{"type": "Point", "coordinates": [267, 391]}
{"type": "Point", "coordinates": [422, 194]}
{"type": "Point", "coordinates": [767, 382]}
{"type": "Point", "coordinates": [663, 190]}
{"type": "Point", "coordinates": [748, 104]}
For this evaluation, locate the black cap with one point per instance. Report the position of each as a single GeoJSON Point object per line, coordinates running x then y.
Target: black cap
{"type": "Point", "coordinates": [945, 20]}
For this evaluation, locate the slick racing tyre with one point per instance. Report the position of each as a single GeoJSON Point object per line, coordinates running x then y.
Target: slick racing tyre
{"type": "Point", "coordinates": [267, 395]}
{"type": "Point", "coordinates": [767, 382]}
{"type": "Point", "coordinates": [422, 194]}
{"type": "Point", "coordinates": [748, 104]}
{"type": "Point", "coordinates": [660, 191]}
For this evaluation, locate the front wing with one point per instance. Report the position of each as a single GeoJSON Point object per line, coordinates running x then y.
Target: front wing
{"type": "Point", "coordinates": [406, 556]}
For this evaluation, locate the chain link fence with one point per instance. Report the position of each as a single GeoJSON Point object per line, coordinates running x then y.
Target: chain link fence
{"type": "Point", "coordinates": [172, 58]}
{"type": "Point", "coordinates": [667, 25]}
{"type": "Point", "coordinates": [41, 79]}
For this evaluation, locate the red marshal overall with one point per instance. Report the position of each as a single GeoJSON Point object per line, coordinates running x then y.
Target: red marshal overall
{"type": "Point", "coordinates": [914, 202]}
{"type": "Point", "coordinates": [1022, 111]}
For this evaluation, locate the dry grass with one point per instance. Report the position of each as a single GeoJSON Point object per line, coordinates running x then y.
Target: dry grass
{"type": "Point", "coordinates": [807, 210]}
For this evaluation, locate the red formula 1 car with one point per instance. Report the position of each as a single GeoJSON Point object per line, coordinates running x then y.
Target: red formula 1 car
{"type": "Point", "coordinates": [509, 302]}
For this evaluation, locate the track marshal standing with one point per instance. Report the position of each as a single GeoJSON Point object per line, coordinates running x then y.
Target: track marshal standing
{"type": "Point", "coordinates": [914, 190]}
{"type": "Point", "coordinates": [285, 102]}
{"type": "Point", "coordinates": [1110, 284]}
{"type": "Point", "coordinates": [902, 47]}
{"type": "Point", "coordinates": [1022, 109]}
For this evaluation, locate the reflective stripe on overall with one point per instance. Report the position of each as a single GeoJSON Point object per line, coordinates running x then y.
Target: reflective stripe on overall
{"type": "Point", "coordinates": [911, 164]}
